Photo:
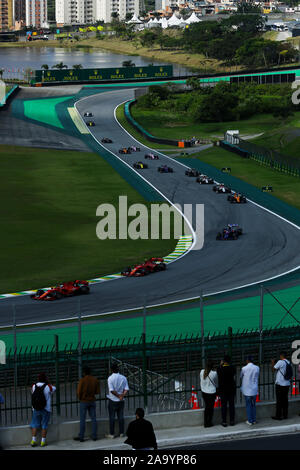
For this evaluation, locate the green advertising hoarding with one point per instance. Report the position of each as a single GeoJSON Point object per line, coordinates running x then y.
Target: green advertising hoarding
{"type": "Point", "coordinates": [99, 74]}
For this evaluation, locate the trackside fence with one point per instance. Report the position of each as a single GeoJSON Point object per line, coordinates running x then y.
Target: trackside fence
{"type": "Point", "coordinates": [266, 157]}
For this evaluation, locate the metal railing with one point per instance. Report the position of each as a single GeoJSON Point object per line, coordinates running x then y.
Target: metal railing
{"type": "Point", "coordinates": [160, 375]}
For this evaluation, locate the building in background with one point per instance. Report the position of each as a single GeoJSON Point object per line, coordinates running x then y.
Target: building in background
{"type": "Point", "coordinates": [20, 10]}
{"type": "Point", "coordinates": [74, 11]}
{"type": "Point", "coordinates": [105, 9]}
{"type": "Point", "coordinates": [7, 17]}
{"type": "Point", "coordinates": [36, 13]}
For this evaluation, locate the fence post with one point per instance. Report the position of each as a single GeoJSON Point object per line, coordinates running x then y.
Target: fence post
{"type": "Point", "coordinates": [15, 348]}
{"type": "Point", "coordinates": [202, 331]}
{"type": "Point", "coordinates": [230, 341]}
{"type": "Point", "coordinates": [261, 314]}
{"type": "Point", "coordinates": [79, 351]}
{"type": "Point", "coordinates": [145, 360]}
{"type": "Point", "coordinates": [57, 375]}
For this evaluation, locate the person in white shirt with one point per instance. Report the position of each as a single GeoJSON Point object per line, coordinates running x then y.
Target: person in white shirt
{"type": "Point", "coordinates": [117, 388]}
{"type": "Point", "coordinates": [281, 387]}
{"type": "Point", "coordinates": [249, 388]}
{"type": "Point", "coordinates": [208, 385]}
{"type": "Point", "coordinates": [41, 417]}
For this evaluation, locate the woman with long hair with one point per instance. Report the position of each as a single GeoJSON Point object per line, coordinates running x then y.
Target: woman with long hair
{"type": "Point", "coordinates": [208, 385]}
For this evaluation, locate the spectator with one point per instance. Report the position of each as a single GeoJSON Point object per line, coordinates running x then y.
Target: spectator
{"type": "Point", "coordinates": [227, 389]}
{"type": "Point", "coordinates": [281, 387]}
{"type": "Point", "coordinates": [117, 388]}
{"type": "Point", "coordinates": [249, 388]}
{"type": "Point", "coordinates": [41, 405]}
{"type": "Point", "coordinates": [140, 433]}
{"type": "Point", "coordinates": [87, 388]}
{"type": "Point", "coordinates": [208, 385]}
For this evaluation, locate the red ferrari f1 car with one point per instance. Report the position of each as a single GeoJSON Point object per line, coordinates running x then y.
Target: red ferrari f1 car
{"type": "Point", "coordinates": [66, 289]}
{"type": "Point", "coordinates": [152, 265]}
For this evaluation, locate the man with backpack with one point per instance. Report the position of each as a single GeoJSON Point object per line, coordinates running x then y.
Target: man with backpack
{"type": "Point", "coordinates": [282, 384]}
{"type": "Point", "coordinates": [41, 405]}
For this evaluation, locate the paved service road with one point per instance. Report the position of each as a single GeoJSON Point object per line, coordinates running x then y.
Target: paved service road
{"type": "Point", "coordinates": [284, 442]}
{"type": "Point", "coordinates": [268, 247]}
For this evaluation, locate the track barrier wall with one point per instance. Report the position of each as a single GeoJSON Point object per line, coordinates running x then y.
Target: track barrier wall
{"type": "Point", "coordinates": [270, 158]}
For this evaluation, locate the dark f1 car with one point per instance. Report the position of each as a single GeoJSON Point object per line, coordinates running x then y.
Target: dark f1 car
{"type": "Point", "coordinates": [152, 265]}
{"type": "Point", "coordinates": [66, 289]}
{"type": "Point", "coordinates": [106, 140]}
{"type": "Point", "coordinates": [140, 165]}
{"type": "Point", "coordinates": [151, 156]}
{"type": "Point", "coordinates": [90, 123]}
{"type": "Point", "coordinates": [203, 179]}
{"type": "Point", "coordinates": [236, 198]}
{"type": "Point", "coordinates": [192, 172]}
{"type": "Point", "coordinates": [87, 114]}
{"type": "Point", "coordinates": [230, 232]}
{"type": "Point", "coordinates": [221, 188]}
{"type": "Point", "coordinates": [134, 149]}
{"type": "Point", "coordinates": [165, 169]}
{"type": "Point", "coordinates": [125, 150]}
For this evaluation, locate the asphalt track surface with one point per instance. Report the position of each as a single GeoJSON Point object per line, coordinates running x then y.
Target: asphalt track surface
{"type": "Point", "coordinates": [269, 246]}
{"type": "Point", "coordinates": [15, 131]}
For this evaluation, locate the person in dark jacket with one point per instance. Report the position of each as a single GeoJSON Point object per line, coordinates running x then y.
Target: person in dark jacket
{"type": "Point", "coordinates": [227, 389]}
{"type": "Point", "coordinates": [87, 388]}
{"type": "Point", "coordinates": [140, 433]}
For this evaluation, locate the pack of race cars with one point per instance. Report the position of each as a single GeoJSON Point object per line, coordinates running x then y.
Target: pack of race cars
{"type": "Point", "coordinates": [230, 232]}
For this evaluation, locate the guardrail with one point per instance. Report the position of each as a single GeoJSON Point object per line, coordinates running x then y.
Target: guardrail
{"type": "Point", "coordinates": [270, 158]}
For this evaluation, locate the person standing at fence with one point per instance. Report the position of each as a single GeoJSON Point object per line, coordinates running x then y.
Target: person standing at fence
{"type": "Point", "coordinates": [249, 388]}
{"type": "Point", "coordinates": [87, 388]}
{"type": "Point", "coordinates": [208, 385]}
{"type": "Point", "coordinates": [41, 405]}
{"type": "Point", "coordinates": [140, 433]}
{"type": "Point", "coordinates": [282, 384]}
{"type": "Point", "coordinates": [227, 389]}
{"type": "Point", "coordinates": [117, 388]}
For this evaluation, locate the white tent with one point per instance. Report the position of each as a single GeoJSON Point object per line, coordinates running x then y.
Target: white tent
{"type": "Point", "coordinates": [134, 20]}
{"type": "Point", "coordinates": [174, 21]}
{"type": "Point", "coordinates": [164, 22]}
{"type": "Point", "coordinates": [193, 19]}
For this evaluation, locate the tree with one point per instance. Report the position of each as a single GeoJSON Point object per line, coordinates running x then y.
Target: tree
{"type": "Point", "coordinates": [45, 67]}
{"type": "Point", "coordinates": [115, 16]}
{"type": "Point", "coordinates": [60, 66]}
{"type": "Point", "coordinates": [193, 83]}
{"type": "Point", "coordinates": [128, 63]}
{"type": "Point", "coordinates": [77, 66]}
{"type": "Point", "coordinates": [247, 18]}
{"type": "Point", "coordinates": [184, 12]}
{"type": "Point", "coordinates": [148, 38]}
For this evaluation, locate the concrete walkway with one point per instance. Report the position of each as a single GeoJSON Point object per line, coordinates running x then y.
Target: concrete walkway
{"type": "Point", "coordinates": [178, 437]}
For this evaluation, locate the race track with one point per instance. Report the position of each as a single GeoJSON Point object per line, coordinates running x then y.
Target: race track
{"type": "Point", "coordinates": [269, 246]}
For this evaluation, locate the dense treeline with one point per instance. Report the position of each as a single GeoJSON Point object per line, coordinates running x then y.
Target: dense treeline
{"type": "Point", "coordinates": [224, 102]}
{"type": "Point", "coordinates": [236, 40]}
